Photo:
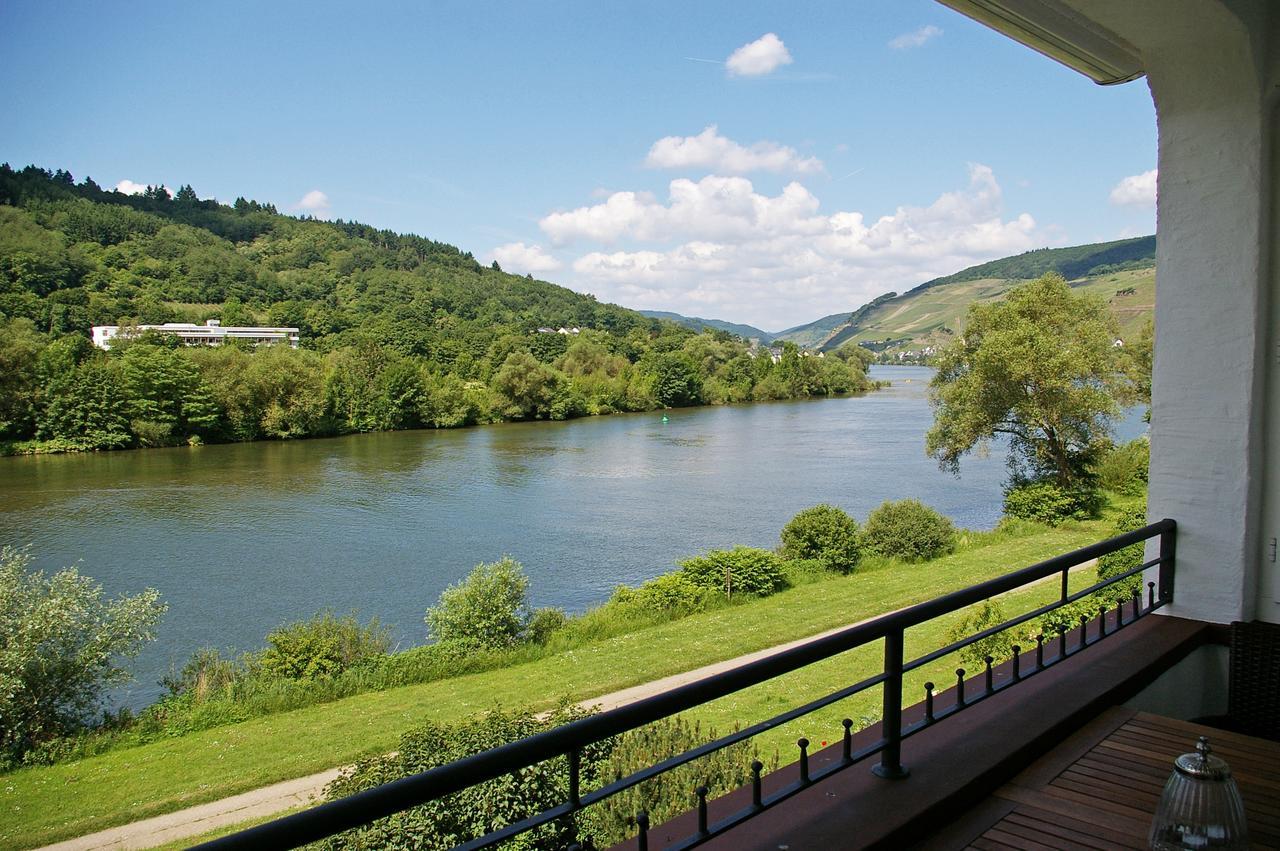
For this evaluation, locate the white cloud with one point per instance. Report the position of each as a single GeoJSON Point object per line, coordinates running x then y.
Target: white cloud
{"type": "Point", "coordinates": [718, 247]}
{"type": "Point", "coordinates": [524, 259]}
{"type": "Point", "coordinates": [128, 187]}
{"type": "Point", "coordinates": [916, 38]}
{"type": "Point", "coordinates": [762, 56]}
{"type": "Point", "coordinates": [315, 203]}
{"type": "Point", "coordinates": [721, 154]}
{"type": "Point", "coordinates": [1138, 190]}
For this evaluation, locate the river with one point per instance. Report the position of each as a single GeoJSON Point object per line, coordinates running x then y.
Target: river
{"type": "Point", "coordinates": [239, 538]}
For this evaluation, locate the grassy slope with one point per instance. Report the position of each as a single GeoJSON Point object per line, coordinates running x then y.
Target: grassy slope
{"type": "Point", "coordinates": [921, 315]}
{"type": "Point", "coordinates": [131, 784]}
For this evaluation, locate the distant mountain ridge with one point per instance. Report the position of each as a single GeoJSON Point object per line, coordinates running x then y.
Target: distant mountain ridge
{"type": "Point", "coordinates": [1121, 272]}
{"type": "Point", "coordinates": [1077, 261]}
{"type": "Point", "coordinates": [746, 332]}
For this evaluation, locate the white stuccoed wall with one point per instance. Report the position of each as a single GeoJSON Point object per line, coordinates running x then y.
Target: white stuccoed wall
{"type": "Point", "coordinates": [1209, 70]}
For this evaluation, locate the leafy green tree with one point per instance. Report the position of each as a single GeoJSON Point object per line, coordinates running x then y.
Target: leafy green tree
{"type": "Point", "coordinates": [167, 398]}
{"type": "Point", "coordinates": [61, 644]}
{"type": "Point", "coordinates": [527, 387]}
{"type": "Point", "coordinates": [86, 408]}
{"type": "Point", "coordinates": [20, 346]}
{"type": "Point", "coordinates": [826, 533]}
{"type": "Point", "coordinates": [1040, 367]}
{"type": "Point", "coordinates": [909, 530]}
{"type": "Point", "coordinates": [676, 380]}
{"type": "Point", "coordinates": [488, 610]}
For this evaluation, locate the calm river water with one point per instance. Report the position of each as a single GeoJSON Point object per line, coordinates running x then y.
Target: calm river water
{"type": "Point", "coordinates": [240, 538]}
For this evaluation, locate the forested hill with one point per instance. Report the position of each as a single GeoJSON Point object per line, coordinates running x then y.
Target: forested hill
{"type": "Point", "coordinates": [398, 331]}
{"type": "Point", "coordinates": [697, 323]}
{"type": "Point", "coordinates": [92, 257]}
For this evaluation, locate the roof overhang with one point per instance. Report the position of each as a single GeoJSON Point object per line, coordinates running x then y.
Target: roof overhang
{"type": "Point", "coordinates": [1061, 33]}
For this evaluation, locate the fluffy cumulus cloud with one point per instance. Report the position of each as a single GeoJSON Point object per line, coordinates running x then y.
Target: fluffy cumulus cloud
{"type": "Point", "coordinates": [315, 203]}
{"type": "Point", "coordinates": [128, 187]}
{"type": "Point", "coordinates": [1138, 190]}
{"type": "Point", "coordinates": [718, 247]}
{"type": "Point", "coordinates": [916, 38]}
{"type": "Point", "coordinates": [709, 150]}
{"type": "Point", "coordinates": [524, 259]}
{"type": "Point", "coordinates": [762, 56]}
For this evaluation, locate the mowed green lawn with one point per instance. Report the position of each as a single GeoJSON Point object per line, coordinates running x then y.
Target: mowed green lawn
{"type": "Point", "coordinates": [45, 804]}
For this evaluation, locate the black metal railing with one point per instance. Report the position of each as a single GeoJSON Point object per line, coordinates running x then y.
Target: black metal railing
{"type": "Point", "coordinates": [570, 739]}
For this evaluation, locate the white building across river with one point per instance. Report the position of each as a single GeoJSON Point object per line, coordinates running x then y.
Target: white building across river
{"type": "Point", "coordinates": [211, 333]}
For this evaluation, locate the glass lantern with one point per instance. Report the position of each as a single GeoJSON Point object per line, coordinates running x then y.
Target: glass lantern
{"type": "Point", "coordinates": [1200, 807]}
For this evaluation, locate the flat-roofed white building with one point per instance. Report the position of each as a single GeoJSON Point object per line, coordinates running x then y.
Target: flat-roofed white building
{"type": "Point", "coordinates": [211, 333]}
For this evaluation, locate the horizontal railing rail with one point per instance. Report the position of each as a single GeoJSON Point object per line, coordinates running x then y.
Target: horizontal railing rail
{"type": "Point", "coordinates": [569, 740]}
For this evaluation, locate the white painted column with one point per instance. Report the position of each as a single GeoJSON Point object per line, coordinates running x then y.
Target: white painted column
{"type": "Point", "coordinates": [1207, 70]}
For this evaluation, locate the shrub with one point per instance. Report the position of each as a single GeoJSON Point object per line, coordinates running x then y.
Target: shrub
{"type": "Point", "coordinates": [1124, 468]}
{"type": "Point", "coordinates": [206, 674]}
{"type": "Point", "coordinates": [909, 530]}
{"type": "Point", "coordinates": [457, 818]}
{"type": "Point", "coordinates": [741, 570]}
{"type": "Point", "coordinates": [668, 795]}
{"type": "Point", "coordinates": [999, 646]}
{"type": "Point", "coordinates": [1113, 564]}
{"type": "Point", "coordinates": [668, 595]}
{"type": "Point", "coordinates": [1064, 618]}
{"type": "Point", "coordinates": [324, 646]}
{"type": "Point", "coordinates": [543, 622]}
{"type": "Point", "coordinates": [1046, 502]}
{"type": "Point", "coordinates": [487, 610]}
{"type": "Point", "coordinates": [60, 646]}
{"type": "Point", "coordinates": [826, 533]}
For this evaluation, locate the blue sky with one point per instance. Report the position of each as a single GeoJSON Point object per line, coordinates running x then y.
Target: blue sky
{"type": "Point", "coordinates": [762, 163]}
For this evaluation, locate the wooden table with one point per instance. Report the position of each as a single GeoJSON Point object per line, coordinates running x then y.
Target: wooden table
{"type": "Point", "coordinates": [1100, 787]}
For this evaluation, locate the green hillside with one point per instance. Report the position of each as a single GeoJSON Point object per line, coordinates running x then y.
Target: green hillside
{"type": "Point", "coordinates": [811, 334]}
{"type": "Point", "coordinates": [397, 331]}
{"type": "Point", "coordinates": [1122, 273]}
{"type": "Point", "coordinates": [697, 323]}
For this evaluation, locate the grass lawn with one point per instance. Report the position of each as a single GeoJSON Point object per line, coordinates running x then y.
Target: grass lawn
{"type": "Point", "coordinates": [49, 803]}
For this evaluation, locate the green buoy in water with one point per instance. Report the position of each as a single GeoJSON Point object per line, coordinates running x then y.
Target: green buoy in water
{"type": "Point", "coordinates": [664, 418]}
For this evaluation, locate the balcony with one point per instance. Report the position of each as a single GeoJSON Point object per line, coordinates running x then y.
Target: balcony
{"type": "Point", "coordinates": [939, 755]}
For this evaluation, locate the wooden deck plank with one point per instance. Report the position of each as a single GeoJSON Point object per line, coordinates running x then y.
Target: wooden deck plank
{"type": "Point", "coordinates": [1014, 840]}
{"type": "Point", "coordinates": [1042, 834]}
{"type": "Point", "coordinates": [1099, 788]}
{"type": "Point", "coordinates": [1081, 831]}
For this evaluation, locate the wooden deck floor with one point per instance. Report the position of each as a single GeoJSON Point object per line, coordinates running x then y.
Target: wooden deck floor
{"type": "Point", "coordinates": [1099, 788]}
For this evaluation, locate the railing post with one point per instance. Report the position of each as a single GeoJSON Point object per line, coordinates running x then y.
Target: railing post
{"type": "Point", "coordinates": [1168, 549]}
{"type": "Point", "coordinates": [890, 766]}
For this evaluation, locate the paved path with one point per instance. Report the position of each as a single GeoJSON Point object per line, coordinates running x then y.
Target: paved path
{"type": "Point", "coordinates": [291, 794]}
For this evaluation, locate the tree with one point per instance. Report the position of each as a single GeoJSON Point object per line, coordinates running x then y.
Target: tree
{"type": "Point", "coordinates": [61, 644]}
{"type": "Point", "coordinates": [826, 533]}
{"type": "Point", "coordinates": [488, 610]}
{"type": "Point", "coordinates": [527, 387]}
{"type": "Point", "coordinates": [1040, 367]}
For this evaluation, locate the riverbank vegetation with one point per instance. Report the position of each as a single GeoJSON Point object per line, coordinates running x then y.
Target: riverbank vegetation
{"type": "Point", "coordinates": [482, 623]}
{"type": "Point", "coordinates": [176, 768]}
{"type": "Point", "coordinates": [397, 331]}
